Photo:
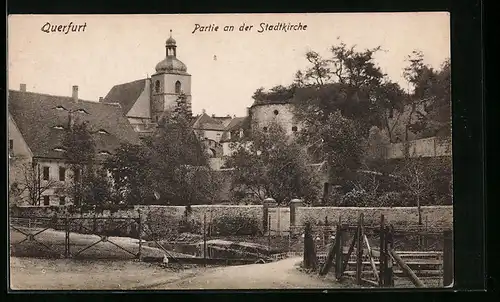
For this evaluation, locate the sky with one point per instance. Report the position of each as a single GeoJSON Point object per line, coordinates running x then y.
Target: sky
{"type": "Point", "coordinates": [115, 49]}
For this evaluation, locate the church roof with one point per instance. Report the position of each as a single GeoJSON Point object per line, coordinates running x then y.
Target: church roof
{"type": "Point", "coordinates": [126, 94]}
{"type": "Point", "coordinates": [41, 119]}
{"type": "Point", "coordinates": [205, 122]}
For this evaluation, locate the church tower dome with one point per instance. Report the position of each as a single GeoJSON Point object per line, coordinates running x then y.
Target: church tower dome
{"type": "Point", "coordinates": [171, 64]}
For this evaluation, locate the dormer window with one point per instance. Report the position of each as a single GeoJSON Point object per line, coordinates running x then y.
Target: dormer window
{"type": "Point", "coordinates": [60, 108]}
{"type": "Point", "coordinates": [102, 131]}
{"type": "Point", "coordinates": [59, 149]}
{"type": "Point", "coordinates": [104, 153]}
{"type": "Point", "coordinates": [59, 127]}
{"type": "Point", "coordinates": [82, 111]}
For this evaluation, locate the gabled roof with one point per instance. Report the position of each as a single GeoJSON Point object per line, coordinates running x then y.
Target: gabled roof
{"type": "Point", "coordinates": [125, 94]}
{"type": "Point", "coordinates": [38, 117]}
{"type": "Point", "coordinates": [205, 122]}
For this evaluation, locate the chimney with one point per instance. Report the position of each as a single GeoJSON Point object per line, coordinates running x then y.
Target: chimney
{"type": "Point", "coordinates": [213, 115]}
{"type": "Point", "coordinates": [75, 93]}
{"type": "Point", "coordinates": [248, 111]}
{"type": "Point", "coordinates": [203, 111]}
{"type": "Point", "coordinates": [22, 87]}
{"type": "Point", "coordinates": [100, 99]}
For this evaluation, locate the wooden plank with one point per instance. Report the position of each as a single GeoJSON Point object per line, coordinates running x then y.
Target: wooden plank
{"type": "Point", "coordinates": [414, 279]}
{"type": "Point", "coordinates": [372, 262]}
{"type": "Point", "coordinates": [369, 282]}
{"type": "Point", "coordinates": [398, 273]}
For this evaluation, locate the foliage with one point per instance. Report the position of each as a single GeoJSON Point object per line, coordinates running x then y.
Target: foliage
{"type": "Point", "coordinates": [430, 100]}
{"type": "Point", "coordinates": [190, 226]}
{"type": "Point", "coordinates": [170, 168]}
{"type": "Point", "coordinates": [235, 225]}
{"type": "Point", "coordinates": [88, 180]}
{"type": "Point", "coordinates": [273, 166]}
{"type": "Point", "coordinates": [130, 170]}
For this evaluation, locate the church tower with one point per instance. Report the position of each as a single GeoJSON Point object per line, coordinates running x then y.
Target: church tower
{"type": "Point", "coordinates": [170, 84]}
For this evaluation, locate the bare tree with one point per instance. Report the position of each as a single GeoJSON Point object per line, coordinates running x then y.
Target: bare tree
{"type": "Point", "coordinates": [33, 184]}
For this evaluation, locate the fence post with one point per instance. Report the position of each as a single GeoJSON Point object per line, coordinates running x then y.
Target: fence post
{"type": "Point", "coordinates": [204, 239]}
{"type": "Point", "coordinates": [269, 233]}
{"type": "Point", "coordinates": [139, 255]}
{"type": "Point", "coordinates": [448, 258]}
{"type": "Point", "coordinates": [359, 250]}
{"type": "Point", "coordinates": [294, 205]}
{"type": "Point", "coordinates": [266, 204]}
{"type": "Point", "coordinates": [389, 280]}
{"type": "Point", "coordinates": [339, 253]}
{"type": "Point", "coordinates": [383, 252]}
{"type": "Point", "coordinates": [66, 237]}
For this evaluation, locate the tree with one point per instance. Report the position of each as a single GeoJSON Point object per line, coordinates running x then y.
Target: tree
{"type": "Point", "coordinates": [349, 81]}
{"type": "Point", "coordinates": [79, 153]}
{"type": "Point", "coordinates": [180, 173]}
{"type": "Point", "coordinates": [273, 165]}
{"type": "Point", "coordinates": [130, 170]}
{"type": "Point", "coordinates": [428, 97]}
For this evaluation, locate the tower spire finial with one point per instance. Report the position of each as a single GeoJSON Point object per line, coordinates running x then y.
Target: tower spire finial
{"type": "Point", "coordinates": [170, 33]}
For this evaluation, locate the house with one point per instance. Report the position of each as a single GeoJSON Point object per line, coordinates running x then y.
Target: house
{"type": "Point", "coordinates": [37, 123]}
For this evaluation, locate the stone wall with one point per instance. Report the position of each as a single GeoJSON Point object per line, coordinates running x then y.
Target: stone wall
{"type": "Point", "coordinates": [438, 217]}
{"type": "Point", "coordinates": [163, 221]}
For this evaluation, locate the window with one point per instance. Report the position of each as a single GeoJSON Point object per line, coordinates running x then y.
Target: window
{"type": "Point", "coordinates": [59, 149]}
{"type": "Point", "coordinates": [102, 131]}
{"type": "Point", "coordinates": [62, 200]}
{"type": "Point", "coordinates": [11, 145]}
{"type": "Point", "coordinates": [157, 86]}
{"type": "Point", "coordinates": [104, 153]}
{"type": "Point", "coordinates": [275, 112]}
{"type": "Point", "coordinates": [76, 175]}
{"type": "Point", "coordinates": [177, 87]}
{"type": "Point", "coordinates": [59, 127]}
{"type": "Point", "coordinates": [60, 108]}
{"type": "Point", "coordinates": [46, 200]}
{"type": "Point", "coordinates": [265, 129]}
{"type": "Point", "coordinates": [82, 111]}
{"type": "Point", "coordinates": [46, 173]}
{"type": "Point", "coordinates": [62, 173]}
{"type": "Point", "coordinates": [294, 128]}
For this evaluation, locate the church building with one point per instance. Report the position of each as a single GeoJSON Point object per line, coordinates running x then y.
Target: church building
{"type": "Point", "coordinates": [147, 101]}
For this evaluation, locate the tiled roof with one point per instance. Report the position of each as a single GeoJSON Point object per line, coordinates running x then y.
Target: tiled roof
{"type": "Point", "coordinates": [125, 94]}
{"type": "Point", "coordinates": [206, 122]}
{"type": "Point", "coordinates": [37, 115]}
{"type": "Point", "coordinates": [236, 124]}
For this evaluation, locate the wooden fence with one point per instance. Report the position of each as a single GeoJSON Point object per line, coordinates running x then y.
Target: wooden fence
{"type": "Point", "coordinates": [373, 267]}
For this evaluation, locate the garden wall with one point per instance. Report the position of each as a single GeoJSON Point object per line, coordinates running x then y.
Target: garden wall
{"type": "Point", "coordinates": [164, 221]}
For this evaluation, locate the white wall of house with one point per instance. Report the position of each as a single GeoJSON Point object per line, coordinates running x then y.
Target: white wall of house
{"type": "Point", "coordinates": [210, 134]}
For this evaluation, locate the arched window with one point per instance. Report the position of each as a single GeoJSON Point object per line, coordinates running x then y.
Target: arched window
{"type": "Point", "coordinates": [294, 128]}
{"type": "Point", "coordinates": [157, 86]}
{"type": "Point", "coordinates": [177, 87]}
{"type": "Point", "coordinates": [276, 112]}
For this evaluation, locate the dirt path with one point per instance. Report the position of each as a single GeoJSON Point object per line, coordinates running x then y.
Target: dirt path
{"type": "Point", "coordinates": [277, 275]}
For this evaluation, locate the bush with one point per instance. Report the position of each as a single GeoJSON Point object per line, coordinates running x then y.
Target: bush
{"type": "Point", "coordinates": [357, 198]}
{"type": "Point", "coordinates": [236, 225]}
{"type": "Point", "coordinates": [390, 199]}
{"type": "Point", "coordinates": [190, 226]}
